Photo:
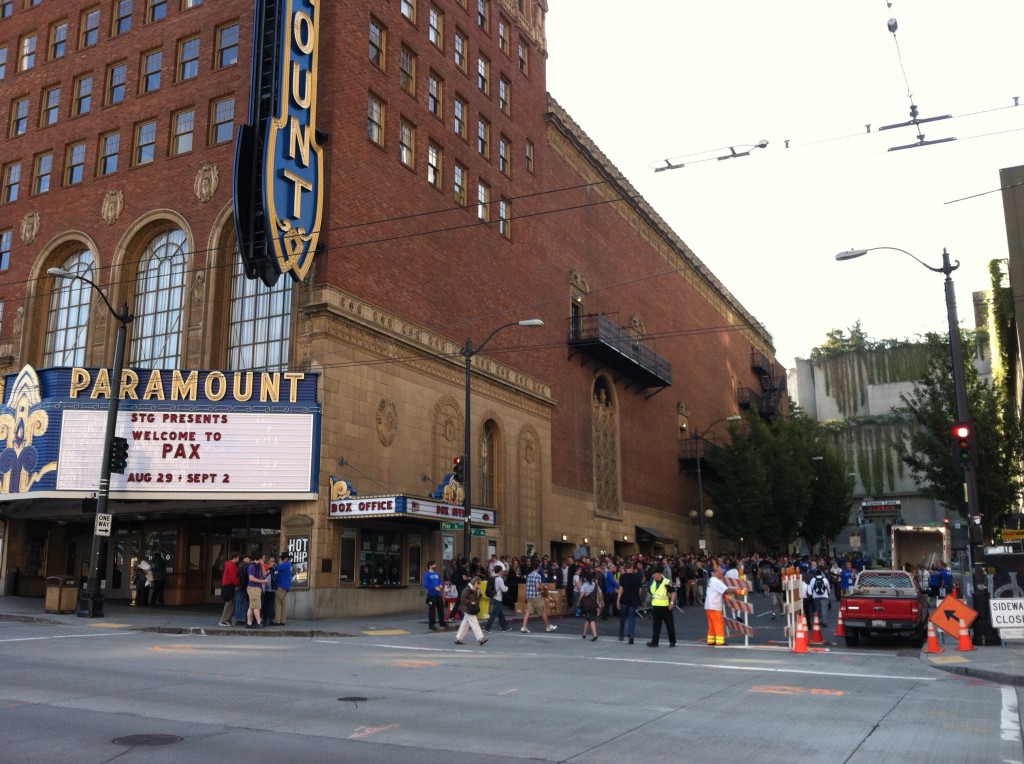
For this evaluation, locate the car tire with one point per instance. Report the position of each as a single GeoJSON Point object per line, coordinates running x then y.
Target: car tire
{"type": "Point", "coordinates": [917, 641]}
{"type": "Point", "coordinates": [852, 638]}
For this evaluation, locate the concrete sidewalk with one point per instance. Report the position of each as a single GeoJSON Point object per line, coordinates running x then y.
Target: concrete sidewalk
{"type": "Point", "coordinates": [1004, 665]}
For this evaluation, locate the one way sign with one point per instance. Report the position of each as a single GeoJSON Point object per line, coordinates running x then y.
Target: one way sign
{"type": "Point", "coordinates": [948, 614]}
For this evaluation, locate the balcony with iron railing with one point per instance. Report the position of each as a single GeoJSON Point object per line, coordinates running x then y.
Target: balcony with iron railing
{"type": "Point", "coordinates": [605, 343]}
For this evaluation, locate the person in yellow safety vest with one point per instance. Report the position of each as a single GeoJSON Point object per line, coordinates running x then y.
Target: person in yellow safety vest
{"type": "Point", "coordinates": [713, 602]}
{"type": "Point", "coordinates": [663, 600]}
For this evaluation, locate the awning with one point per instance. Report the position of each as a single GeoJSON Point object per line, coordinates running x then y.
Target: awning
{"type": "Point", "coordinates": [652, 534]}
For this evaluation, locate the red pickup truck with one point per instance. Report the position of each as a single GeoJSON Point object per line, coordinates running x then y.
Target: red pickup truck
{"type": "Point", "coordinates": [885, 602]}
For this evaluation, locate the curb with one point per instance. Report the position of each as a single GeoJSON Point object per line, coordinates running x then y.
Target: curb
{"type": "Point", "coordinates": [964, 669]}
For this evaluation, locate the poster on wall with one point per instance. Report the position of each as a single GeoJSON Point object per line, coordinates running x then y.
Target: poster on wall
{"type": "Point", "coordinates": [298, 548]}
{"type": "Point", "coordinates": [447, 546]}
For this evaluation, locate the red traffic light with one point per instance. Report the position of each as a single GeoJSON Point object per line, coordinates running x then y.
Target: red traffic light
{"type": "Point", "coordinates": [962, 443]}
{"type": "Point", "coordinates": [962, 431]}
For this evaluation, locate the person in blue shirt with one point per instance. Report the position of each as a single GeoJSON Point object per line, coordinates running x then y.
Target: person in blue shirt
{"type": "Point", "coordinates": [282, 573]}
{"type": "Point", "coordinates": [947, 578]}
{"type": "Point", "coordinates": [846, 576]}
{"type": "Point", "coordinates": [435, 597]}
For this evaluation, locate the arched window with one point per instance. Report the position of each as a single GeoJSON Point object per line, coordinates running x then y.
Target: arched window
{"type": "Point", "coordinates": [68, 320]}
{"type": "Point", "coordinates": [488, 464]}
{"type": "Point", "coordinates": [160, 302]}
{"type": "Point", "coordinates": [260, 330]}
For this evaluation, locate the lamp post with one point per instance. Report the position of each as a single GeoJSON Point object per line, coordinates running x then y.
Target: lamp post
{"type": "Point", "coordinates": [704, 514]}
{"type": "Point", "coordinates": [963, 413]}
{"type": "Point", "coordinates": [467, 505]}
{"type": "Point", "coordinates": [90, 603]}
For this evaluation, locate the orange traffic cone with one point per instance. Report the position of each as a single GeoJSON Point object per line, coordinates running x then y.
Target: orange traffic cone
{"type": "Point", "coordinates": [800, 640]}
{"type": "Point", "coordinates": [964, 644]}
{"type": "Point", "coordinates": [933, 640]}
{"type": "Point", "coordinates": [840, 631]}
{"type": "Point", "coordinates": [816, 638]}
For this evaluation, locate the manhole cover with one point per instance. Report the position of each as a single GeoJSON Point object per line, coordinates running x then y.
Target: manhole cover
{"type": "Point", "coordinates": [353, 699]}
{"type": "Point", "coordinates": [153, 740]}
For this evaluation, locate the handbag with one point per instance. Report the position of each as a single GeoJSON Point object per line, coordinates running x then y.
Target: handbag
{"type": "Point", "coordinates": [471, 608]}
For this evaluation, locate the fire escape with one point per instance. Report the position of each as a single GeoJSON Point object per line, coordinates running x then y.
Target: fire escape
{"type": "Point", "coordinates": [612, 347]}
{"type": "Point", "coordinates": [767, 400]}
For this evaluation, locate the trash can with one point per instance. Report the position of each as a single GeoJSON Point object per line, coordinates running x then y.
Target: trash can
{"type": "Point", "coordinates": [61, 594]}
{"type": "Point", "coordinates": [11, 581]}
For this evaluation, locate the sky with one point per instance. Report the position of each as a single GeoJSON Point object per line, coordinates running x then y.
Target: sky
{"type": "Point", "coordinates": [650, 80]}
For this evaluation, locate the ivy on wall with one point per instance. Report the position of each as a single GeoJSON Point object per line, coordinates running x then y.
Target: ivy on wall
{"type": "Point", "coordinates": [871, 444]}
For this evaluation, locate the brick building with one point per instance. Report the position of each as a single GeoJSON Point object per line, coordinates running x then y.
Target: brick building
{"type": "Point", "coordinates": [458, 197]}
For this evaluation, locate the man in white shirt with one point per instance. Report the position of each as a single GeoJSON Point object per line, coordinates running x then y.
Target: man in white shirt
{"type": "Point", "coordinates": [713, 603]}
{"type": "Point", "coordinates": [495, 609]}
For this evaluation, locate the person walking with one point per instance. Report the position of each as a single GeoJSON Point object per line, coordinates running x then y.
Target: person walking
{"type": "Point", "coordinates": [627, 597]}
{"type": "Point", "coordinates": [820, 589]}
{"type": "Point", "coordinates": [663, 601]}
{"type": "Point", "coordinates": [228, 586]}
{"type": "Point", "coordinates": [591, 603]}
{"type": "Point", "coordinates": [282, 585]}
{"type": "Point", "coordinates": [435, 597]}
{"type": "Point", "coordinates": [713, 603]}
{"type": "Point", "coordinates": [159, 569]}
{"type": "Point", "coordinates": [141, 588]}
{"type": "Point", "coordinates": [535, 604]}
{"type": "Point", "coordinates": [469, 604]}
{"type": "Point", "coordinates": [499, 588]}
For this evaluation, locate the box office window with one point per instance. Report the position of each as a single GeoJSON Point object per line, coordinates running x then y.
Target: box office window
{"type": "Point", "coordinates": [380, 559]}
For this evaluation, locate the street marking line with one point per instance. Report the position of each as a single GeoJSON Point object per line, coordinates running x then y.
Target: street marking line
{"type": "Point", "coordinates": [1009, 716]}
{"type": "Point", "coordinates": [161, 648]}
{"type": "Point", "coordinates": [508, 692]}
{"type": "Point", "coordinates": [946, 660]}
{"type": "Point", "coordinates": [362, 732]}
{"type": "Point", "coordinates": [771, 670]}
{"type": "Point", "coordinates": [385, 632]}
{"type": "Point", "coordinates": [110, 626]}
{"type": "Point", "coordinates": [414, 664]}
{"type": "Point", "coordinates": [788, 690]}
{"type": "Point", "coordinates": [70, 636]}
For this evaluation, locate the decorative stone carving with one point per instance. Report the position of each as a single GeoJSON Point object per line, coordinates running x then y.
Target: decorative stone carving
{"type": "Point", "coordinates": [387, 422]}
{"type": "Point", "coordinates": [577, 280]}
{"type": "Point", "coordinates": [29, 227]}
{"type": "Point", "coordinates": [207, 180]}
{"type": "Point", "coordinates": [636, 324]}
{"type": "Point", "coordinates": [19, 322]}
{"type": "Point", "coordinates": [113, 204]}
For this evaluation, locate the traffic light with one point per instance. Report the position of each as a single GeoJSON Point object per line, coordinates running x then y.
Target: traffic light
{"type": "Point", "coordinates": [459, 469]}
{"type": "Point", "coordinates": [118, 455]}
{"type": "Point", "coordinates": [963, 443]}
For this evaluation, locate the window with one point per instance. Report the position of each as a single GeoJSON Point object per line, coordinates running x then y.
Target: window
{"type": "Point", "coordinates": [435, 28]}
{"type": "Point", "coordinates": [19, 116]}
{"type": "Point", "coordinates": [459, 51]}
{"type": "Point", "coordinates": [505, 218]}
{"type": "Point", "coordinates": [51, 107]}
{"type": "Point", "coordinates": [222, 120]}
{"type": "Point", "coordinates": [459, 117]}
{"type": "Point", "coordinates": [89, 28]}
{"type": "Point", "coordinates": [6, 9]}
{"type": "Point", "coordinates": [481, 13]}
{"type": "Point", "coordinates": [408, 8]}
{"type": "Point", "coordinates": [3, 62]}
{"type": "Point", "coordinates": [145, 142]}
{"type": "Point", "coordinates": [407, 71]}
{"type": "Point", "coordinates": [110, 144]}
{"type": "Point", "coordinates": [151, 65]}
{"type": "Point", "coordinates": [503, 34]}
{"type": "Point", "coordinates": [74, 165]}
{"type": "Point", "coordinates": [259, 331]}
{"type": "Point", "coordinates": [487, 458]}
{"type": "Point", "coordinates": [483, 199]}
{"type": "Point", "coordinates": [182, 128]}
{"type": "Point", "coordinates": [483, 137]}
{"type": "Point", "coordinates": [529, 156]}
{"type": "Point", "coordinates": [434, 167]}
{"type": "Point", "coordinates": [435, 95]}
{"type": "Point", "coordinates": [406, 143]}
{"type": "Point", "coordinates": [375, 120]}
{"type": "Point", "coordinates": [378, 43]}
{"type": "Point", "coordinates": [227, 46]}
{"type": "Point", "coordinates": [483, 75]}
{"type": "Point", "coordinates": [67, 323]}
{"type": "Point", "coordinates": [5, 250]}
{"type": "Point", "coordinates": [156, 10]}
{"type": "Point", "coordinates": [523, 57]}
{"type": "Point", "coordinates": [12, 182]}
{"type": "Point", "coordinates": [83, 95]}
{"type": "Point", "coordinates": [122, 16]}
{"type": "Point", "coordinates": [504, 152]}
{"type": "Point", "coordinates": [459, 185]}
{"type": "Point", "coordinates": [505, 95]}
{"type": "Point", "coordinates": [159, 302]}
{"type": "Point", "coordinates": [58, 40]}
{"type": "Point", "coordinates": [188, 58]}
{"type": "Point", "coordinates": [186, 4]}
{"type": "Point", "coordinates": [41, 174]}
{"type": "Point", "coordinates": [27, 46]}
{"type": "Point", "coordinates": [116, 76]}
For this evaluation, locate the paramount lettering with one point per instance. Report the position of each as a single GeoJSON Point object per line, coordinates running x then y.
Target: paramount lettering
{"type": "Point", "coordinates": [212, 386]}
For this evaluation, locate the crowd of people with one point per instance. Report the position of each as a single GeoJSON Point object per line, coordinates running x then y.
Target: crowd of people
{"type": "Point", "coordinates": [254, 589]}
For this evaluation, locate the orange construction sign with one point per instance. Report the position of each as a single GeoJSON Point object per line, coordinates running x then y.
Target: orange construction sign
{"type": "Point", "coordinates": [948, 614]}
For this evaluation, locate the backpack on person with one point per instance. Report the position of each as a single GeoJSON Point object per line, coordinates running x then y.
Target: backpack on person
{"type": "Point", "coordinates": [590, 599]}
{"type": "Point", "coordinates": [490, 591]}
{"type": "Point", "coordinates": [819, 588]}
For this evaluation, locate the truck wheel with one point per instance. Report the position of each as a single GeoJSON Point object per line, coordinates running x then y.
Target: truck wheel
{"type": "Point", "coordinates": [853, 638]}
{"type": "Point", "coordinates": [917, 641]}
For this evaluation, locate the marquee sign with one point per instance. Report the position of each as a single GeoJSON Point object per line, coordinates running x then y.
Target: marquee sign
{"type": "Point", "coordinates": [279, 163]}
{"type": "Point", "coordinates": [405, 506]}
{"type": "Point", "coordinates": [191, 434]}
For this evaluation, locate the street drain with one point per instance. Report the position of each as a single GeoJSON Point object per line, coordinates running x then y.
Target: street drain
{"type": "Point", "coordinates": [151, 740]}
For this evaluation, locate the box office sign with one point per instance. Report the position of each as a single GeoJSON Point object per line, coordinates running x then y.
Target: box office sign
{"type": "Point", "coordinates": [298, 548]}
{"type": "Point", "coordinates": [191, 434]}
{"type": "Point", "coordinates": [406, 506]}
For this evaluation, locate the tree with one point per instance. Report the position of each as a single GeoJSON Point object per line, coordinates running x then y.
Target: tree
{"type": "Point", "coordinates": [926, 451]}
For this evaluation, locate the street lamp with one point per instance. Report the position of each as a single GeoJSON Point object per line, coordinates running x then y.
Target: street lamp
{"type": "Point", "coordinates": [468, 352]}
{"type": "Point", "coordinates": [701, 514]}
{"type": "Point", "coordinates": [90, 603]}
{"type": "Point", "coordinates": [963, 413]}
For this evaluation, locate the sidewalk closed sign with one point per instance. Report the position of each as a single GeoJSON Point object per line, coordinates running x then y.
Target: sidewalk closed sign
{"type": "Point", "coordinates": [1007, 614]}
{"type": "Point", "coordinates": [103, 524]}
